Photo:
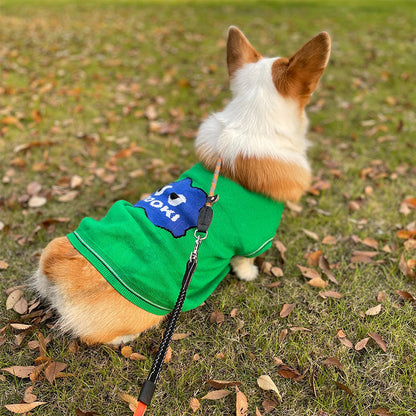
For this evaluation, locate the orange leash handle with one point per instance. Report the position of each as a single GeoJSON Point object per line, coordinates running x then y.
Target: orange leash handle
{"type": "Point", "coordinates": [140, 409]}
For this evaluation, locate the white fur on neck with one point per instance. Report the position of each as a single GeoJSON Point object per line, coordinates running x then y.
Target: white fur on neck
{"type": "Point", "coordinates": [257, 122]}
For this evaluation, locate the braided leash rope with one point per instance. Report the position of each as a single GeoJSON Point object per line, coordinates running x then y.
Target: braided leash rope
{"type": "Point", "coordinates": [201, 233]}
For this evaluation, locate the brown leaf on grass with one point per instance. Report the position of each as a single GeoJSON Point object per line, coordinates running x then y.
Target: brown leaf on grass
{"type": "Point", "coordinates": [36, 201]}
{"type": "Point", "coordinates": [282, 249]}
{"type": "Point", "coordinates": [370, 242]}
{"type": "Point", "coordinates": [137, 357]}
{"type": "Point", "coordinates": [282, 335]}
{"type": "Point", "coordinates": [216, 395]}
{"type": "Point", "coordinates": [345, 388]}
{"type": "Point", "coordinates": [258, 412]}
{"type": "Point", "coordinates": [406, 296]}
{"type": "Point", "coordinates": [379, 341]}
{"type": "Point", "coordinates": [194, 404]}
{"type": "Point", "coordinates": [329, 240]}
{"type": "Point", "coordinates": [13, 298]}
{"type": "Point", "coordinates": [80, 412]}
{"type": "Point", "coordinates": [317, 282]}
{"type": "Point", "coordinates": [381, 297]}
{"type": "Point", "coordinates": [381, 411]}
{"type": "Point", "coordinates": [129, 399]}
{"type": "Point", "coordinates": [269, 405]}
{"type": "Point", "coordinates": [241, 403]}
{"type": "Point", "coordinates": [343, 339]}
{"type": "Point", "coordinates": [53, 370]}
{"type": "Point", "coordinates": [20, 371]}
{"type": "Point", "coordinates": [266, 383]}
{"type": "Point", "coordinates": [68, 196]}
{"type": "Point", "coordinates": [20, 306]}
{"type": "Point", "coordinates": [23, 407]}
{"type": "Point", "coordinates": [276, 271]}
{"type": "Point", "coordinates": [309, 273]}
{"type": "Point", "coordinates": [326, 269]}
{"type": "Point", "coordinates": [217, 317]}
{"type": "Point", "coordinates": [311, 234]}
{"type": "Point", "coordinates": [361, 258]}
{"type": "Point", "coordinates": [405, 268]}
{"type": "Point", "coordinates": [287, 309]}
{"type": "Point", "coordinates": [408, 245]}
{"type": "Point", "coordinates": [220, 384]}
{"type": "Point", "coordinates": [178, 336]}
{"type": "Point", "coordinates": [374, 310]}
{"type": "Point", "coordinates": [332, 362]}
{"type": "Point", "coordinates": [287, 372]}
{"type": "Point", "coordinates": [28, 396]}
{"type": "Point", "coordinates": [406, 234]}
{"type": "Point", "coordinates": [313, 258]}
{"type": "Point", "coordinates": [273, 284]}
{"type": "Point", "coordinates": [21, 327]}
{"type": "Point", "coordinates": [330, 294]}
{"type": "Point", "coordinates": [361, 344]}
{"type": "Point", "coordinates": [126, 351]}
{"type": "Point", "coordinates": [3, 265]}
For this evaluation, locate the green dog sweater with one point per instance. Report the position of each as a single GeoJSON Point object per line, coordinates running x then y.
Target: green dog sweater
{"type": "Point", "coordinates": [142, 249]}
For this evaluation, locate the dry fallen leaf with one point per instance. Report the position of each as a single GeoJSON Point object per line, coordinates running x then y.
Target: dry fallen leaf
{"type": "Point", "coordinates": [282, 335]}
{"type": "Point", "coordinates": [20, 371]}
{"type": "Point", "coordinates": [266, 383]}
{"type": "Point", "coordinates": [216, 395]}
{"type": "Point", "coordinates": [380, 342]}
{"type": "Point", "coordinates": [373, 311]}
{"type": "Point", "coordinates": [370, 242]}
{"type": "Point", "coordinates": [309, 273]}
{"type": "Point", "coordinates": [29, 397]}
{"type": "Point", "coordinates": [313, 258]}
{"type": "Point", "coordinates": [311, 234]}
{"type": "Point", "coordinates": [194, 404]}
{"type": "Point", "coordinates": [325, 267]}
{"type": "Point", "coordinates": [361, 344]}
{"type": "Point", "coordinates": [287, 309]}
{"type": "Point", "coordinates": [405, 295]}
{"type": "Point", "coordinates": [330, 240]}
{"type": "Point", "coordinates": [219, 384]}
{"type": "Point", "coordinates": [330, 294]}
{"type": "Point", "coordinates": [36, 201]}
{"type": "Point", "coordinates": [381, 411]}
{"type": "Point", "coordinates": [177, 336]}
{"type": "Point", "coordinates": [269, 405]}
{"type": "Point", "coordinates": [282, 249]}
{"type": "Point", "coordinates": [405, 268]}
{"type": "Point", "coordinates": [217, 317]}
{"type": "Point", "coordinates": [3, 265]}
{"type": "Point", "coordinates": [332, 361]}
{"type": "Point", "coordinates": [241, 403]}
{"type": "Point", "coordinates": [127, 351]}
{"type": "Point", "coordinates": [317, 282]}
{"type": "Point", "coordinates": [287, 372]}
{"type": "Point", "coordinates": [344, 387]}
{"type": "Point", "coordinates": [13, 298]}
{"type": "Point", "coordinates": [127, 398]}
{"type": "Point", "coordinates": [22, 407]}
{"type": "Point", "coordinates": [53, 370]}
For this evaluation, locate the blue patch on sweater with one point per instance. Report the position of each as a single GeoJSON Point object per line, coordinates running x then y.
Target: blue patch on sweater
{"type": "Point", "coordinates": [174, 207]}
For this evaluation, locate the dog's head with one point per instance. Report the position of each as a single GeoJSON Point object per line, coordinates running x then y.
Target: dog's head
{"type": "Point", "coordinates": [260, 135]}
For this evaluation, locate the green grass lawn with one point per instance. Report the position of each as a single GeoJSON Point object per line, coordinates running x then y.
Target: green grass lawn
{"type": "Point", "coordinates": [101, 101]}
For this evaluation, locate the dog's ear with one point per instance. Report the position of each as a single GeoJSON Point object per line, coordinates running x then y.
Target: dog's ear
{"type": "Point", "coordinates": [239, 50]}
{"type": "Point", "coordinates": [299, 75]}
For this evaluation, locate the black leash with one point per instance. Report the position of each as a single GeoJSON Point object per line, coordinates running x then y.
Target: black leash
{"type": "Point", "coordinates": [201, 233]}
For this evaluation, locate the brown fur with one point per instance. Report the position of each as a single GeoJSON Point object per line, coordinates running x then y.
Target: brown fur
{"type": "Point", "coordinates": [83, 287]}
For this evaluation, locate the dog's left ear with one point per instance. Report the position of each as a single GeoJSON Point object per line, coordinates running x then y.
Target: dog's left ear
{"type": "Point", "coordinates": [299, 75]}
{"type": "Point", "coordinates": [239, 50]}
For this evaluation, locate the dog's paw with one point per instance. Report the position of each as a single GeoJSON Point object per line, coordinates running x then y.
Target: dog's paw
{"type": "Point", "coordinates": [244, 268]}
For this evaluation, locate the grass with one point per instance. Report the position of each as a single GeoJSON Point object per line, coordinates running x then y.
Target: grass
{"type": "Point", "coordinates": [80, 78]}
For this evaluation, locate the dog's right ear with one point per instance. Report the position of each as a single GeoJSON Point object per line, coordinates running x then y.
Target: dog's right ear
{"type": "Point", "coordinates": [239, 50]}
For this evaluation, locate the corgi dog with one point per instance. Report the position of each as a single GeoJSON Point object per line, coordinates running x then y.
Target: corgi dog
{"type": "Point", "coordinates": [112, 279]}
